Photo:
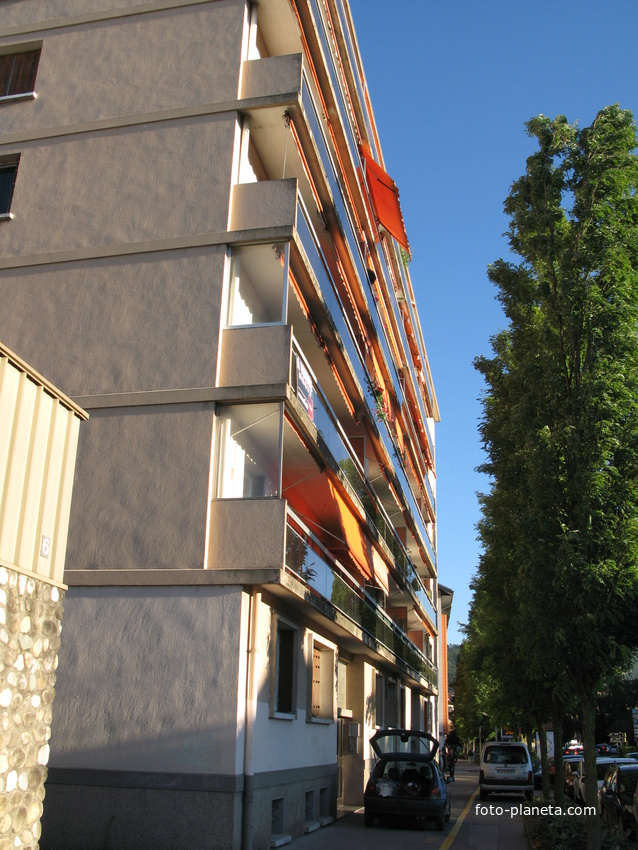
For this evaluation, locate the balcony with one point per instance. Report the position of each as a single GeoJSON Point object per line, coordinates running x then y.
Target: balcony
{"type": "Point", "coordinates": [331, 586]}
{"type": "Point", "coordinates": [330, 303]}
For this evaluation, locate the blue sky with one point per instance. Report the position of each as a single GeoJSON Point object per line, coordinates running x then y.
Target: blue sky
{"type": "Point", "coordinates": [451, 84]}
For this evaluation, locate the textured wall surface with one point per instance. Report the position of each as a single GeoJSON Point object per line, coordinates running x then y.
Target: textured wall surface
{"type": "Point", "coordinates": [30, 622]}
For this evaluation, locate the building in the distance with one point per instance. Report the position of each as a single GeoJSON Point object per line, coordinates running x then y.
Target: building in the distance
{"type": "Point", "coordinates": [200, 246]}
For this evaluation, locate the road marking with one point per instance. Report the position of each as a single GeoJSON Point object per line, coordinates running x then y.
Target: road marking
{"type": "Point", "coordinates": [459, 823]}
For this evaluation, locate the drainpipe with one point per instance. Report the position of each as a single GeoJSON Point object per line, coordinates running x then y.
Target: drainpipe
{"type": "Point", "coordinates": [250, 713]}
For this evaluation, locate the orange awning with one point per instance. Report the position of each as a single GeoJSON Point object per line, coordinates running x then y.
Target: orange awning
{"type": "Point", "coordinates": [385, 199]}
{"type": "Point", "coordinates": [360, 548]}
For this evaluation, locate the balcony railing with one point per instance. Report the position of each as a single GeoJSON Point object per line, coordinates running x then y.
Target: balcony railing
{"type": "Point", "coordinates": [348, 231]}
{"type": "Point", "coordinates": [344, 456]}
{"type": "Point", "coordinates": [309, 561]}
{"type": "Point", "coordinates": [335, 310]}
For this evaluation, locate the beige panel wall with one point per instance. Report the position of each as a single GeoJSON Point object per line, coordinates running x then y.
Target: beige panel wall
{"type": "Point", "coordinates": [253, 356]}
{"type": "Point", "coordinates": [126, 65]}
{"type": "Point", "coordinates": [38, 441]}
{"type": "Point", "coordinates": [141, 488]}
{"type": "Point", "coordinates": [114, 326]}
{"type": "Point", "coordinates": [148, 680]}
{"type": "Point", "coordinates": [151, 183]}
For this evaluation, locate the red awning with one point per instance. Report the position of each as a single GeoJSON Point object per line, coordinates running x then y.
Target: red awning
{"type": "Point", "coordinates": [385, 199]}
{"type": "Point", "coordinates": [359, 547]}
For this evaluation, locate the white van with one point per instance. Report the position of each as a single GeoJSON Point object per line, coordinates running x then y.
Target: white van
{"type": "Point", "coordinates": [506, 768]}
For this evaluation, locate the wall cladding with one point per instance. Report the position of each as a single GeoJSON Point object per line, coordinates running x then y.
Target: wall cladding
{"type": "Point", "coordinates": [30, 623]}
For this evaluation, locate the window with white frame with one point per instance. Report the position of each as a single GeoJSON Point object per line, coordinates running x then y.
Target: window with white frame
{"type": "Point", "coordinates": [256, 291]}
{"type": "Point", "coordinates": [249, 450]}
{"type": "Point", "coordinates": [322, 680]}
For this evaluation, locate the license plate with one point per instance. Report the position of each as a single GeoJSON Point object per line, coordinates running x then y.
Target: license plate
{"type": "Point", "coordinates": [505, 770]}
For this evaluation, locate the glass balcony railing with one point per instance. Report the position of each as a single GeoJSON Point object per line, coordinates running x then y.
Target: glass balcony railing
{"type": "Point", "coordinates": [345, 458]}
{"type": "Point", "coordinates": [334, 79]}
{"type": "Point", "coordinates": [348, 231]}
{"type": "Point", "coordinates": [313, 564]}
{"type": "Point", "coordinates": [334, 308]}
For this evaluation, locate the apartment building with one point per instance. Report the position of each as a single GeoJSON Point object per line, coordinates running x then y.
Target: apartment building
{"type": "Point", "coordinates": [200, 245]}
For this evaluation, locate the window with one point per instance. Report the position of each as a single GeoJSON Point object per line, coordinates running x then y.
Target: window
{"type": "Point", "coordinates": [322, 681]}
{"type": "Point", "coordinates": [8, 171]}
{"type": "Point", "coordinates": [256, 287]}
{"type": "Point", "coordinates": [17, 73]}
{"type": "Point", "coordinates": [284, 665]}
{"type": "Point", "coordinates": [249, 451]}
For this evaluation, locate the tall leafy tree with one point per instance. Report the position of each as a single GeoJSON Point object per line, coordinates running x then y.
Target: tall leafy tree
{"type": "Point", "coordinates": [560, 423]}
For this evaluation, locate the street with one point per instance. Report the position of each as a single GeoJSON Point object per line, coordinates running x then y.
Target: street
{"type": "Point", "coordinates": [473, 826]}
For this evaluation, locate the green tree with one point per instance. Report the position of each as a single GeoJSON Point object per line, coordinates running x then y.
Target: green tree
{"type": "Point", "coordinates": [560, 422]}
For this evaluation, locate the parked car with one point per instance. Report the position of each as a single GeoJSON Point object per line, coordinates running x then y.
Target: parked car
{"type": "Point", "coordinates": [406, 780]}
{"type": "Point", "coordinates": [606, 750]}
{"type": "Point", "coordinates": [602, 766]}
{"type": "Point", "coordinates": [617, 795]}
{"type": "Point", "coordinates": [506, 767]}
{"type": "Point", "coordinates": [570, 768]}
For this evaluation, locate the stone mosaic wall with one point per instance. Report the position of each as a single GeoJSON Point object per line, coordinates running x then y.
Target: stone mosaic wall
{"type": "Point", "coordinates": [30, 623]}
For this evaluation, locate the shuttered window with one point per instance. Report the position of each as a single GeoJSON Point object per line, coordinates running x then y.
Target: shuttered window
{"type": "Point", "coordinates": [17, 72]}
{"type": "Point", "coordinates": [316, 682]}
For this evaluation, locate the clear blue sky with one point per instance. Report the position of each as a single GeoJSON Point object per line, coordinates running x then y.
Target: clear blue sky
{"type": "Point", "coordinates": [451, 84]}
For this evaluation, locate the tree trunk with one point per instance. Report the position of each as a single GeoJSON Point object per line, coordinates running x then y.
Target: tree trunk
{"type": "Point", "coordinates": [591, 783]}
{"type": "Point", "coordinates": [559, 767]}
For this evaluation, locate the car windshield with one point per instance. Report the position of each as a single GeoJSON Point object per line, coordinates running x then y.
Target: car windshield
{"type": "Point", "coordinates": [506, 755]}
{"type": "Point", "coordinates": [391, 741]}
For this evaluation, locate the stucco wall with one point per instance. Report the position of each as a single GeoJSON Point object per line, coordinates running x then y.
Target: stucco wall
{"type": "Point", "coordinates": [287, 744]}
{"type": "Point", "coordinates": [137, 323]}
{"type": "Point", "coordinates": [148, 680]}
{"type": "Point", "coordinates": [124, 65]}
{"type": "Point", "coordinates": [139, 498]}
{"type": "Point", "coordinates": [157, 169]}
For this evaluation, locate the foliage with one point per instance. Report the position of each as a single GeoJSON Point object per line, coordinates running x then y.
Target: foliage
{"type": "Point", "coordinates": [557, 583]}
{"type": "Point", "coordinates": [567, 832]}
{"type": "Point", "coordinates": [452, 656]}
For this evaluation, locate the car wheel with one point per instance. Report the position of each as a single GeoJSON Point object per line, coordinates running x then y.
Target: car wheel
{"type": "Point", "coordinates": [483, 795]}
{"type": "Point", "coordinates": [368, 818]}
{"type": "Point", "coordinates": [440, 822]}
{"type": "Point", "coordinates": [529, 796]}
